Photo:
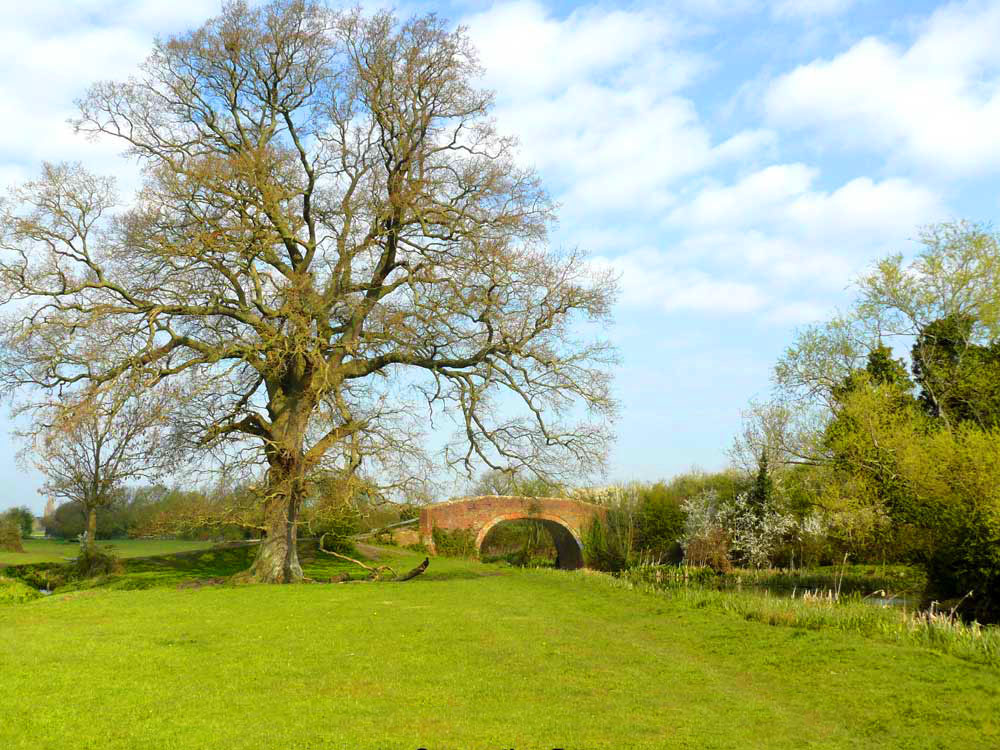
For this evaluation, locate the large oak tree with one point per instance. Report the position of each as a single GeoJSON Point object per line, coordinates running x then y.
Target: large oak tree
{"type": "Point", "coordinates": [329, 229]}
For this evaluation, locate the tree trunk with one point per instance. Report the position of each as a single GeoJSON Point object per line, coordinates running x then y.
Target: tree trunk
{"type": "Point", "coordinates": [92, 526]}
{"type": "Point", "coordinates": [278, 555]}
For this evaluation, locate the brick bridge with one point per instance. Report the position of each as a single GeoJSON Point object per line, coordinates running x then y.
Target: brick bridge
{"type": "Point", "coordinates": [566, 520]}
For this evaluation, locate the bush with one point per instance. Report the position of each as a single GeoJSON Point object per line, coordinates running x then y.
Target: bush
{"type": "Point", "coordinates": [16, 592]}
{"type": "Point", "coordinates": [969, 563]}
{"type": "Point", "coordinates": [96, 561]}
{"type": "Point", "coordinates": [604, 546]}
{"type": "Point", "coordinates": [710, 549]}
{"type": "Point", "coordinates": [10, 536]}
{"type": "Point", "coordinates": [961, 505]}
{"type": "Point", "coordinates": [454, 542]}
{"type": "Point", "coordinates": [48, 576]}
{"type": "Point", "coordinates": [331, 542]}
{"type": "Point", "coordinates": [408, 512]}
{"type": "Point", "coordinates": [660, 523]}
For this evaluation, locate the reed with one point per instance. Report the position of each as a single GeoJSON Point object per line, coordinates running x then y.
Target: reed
{"type": "Point", "coordinates": [816, 609]}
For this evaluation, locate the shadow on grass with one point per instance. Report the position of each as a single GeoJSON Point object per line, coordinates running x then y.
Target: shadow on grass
{"type": "Point", "coordinates": [221, 564]}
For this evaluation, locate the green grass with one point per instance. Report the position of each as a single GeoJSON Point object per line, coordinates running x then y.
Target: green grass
{"type": "Point", "coordinates": [187, 566]}
{"type": "Point", "coordinates": [467, 656]}
{"type": "Point", "coordinates": [52, 550]}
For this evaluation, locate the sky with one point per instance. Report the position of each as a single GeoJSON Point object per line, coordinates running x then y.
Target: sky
{"type": "Point", "coordinates": [737, 162]}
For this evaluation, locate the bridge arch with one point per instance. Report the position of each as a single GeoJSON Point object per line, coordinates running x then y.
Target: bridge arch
{"type": "Point", "coordinates": [565, 519]}
{"type": "Point", "coordinates": [569, 547]}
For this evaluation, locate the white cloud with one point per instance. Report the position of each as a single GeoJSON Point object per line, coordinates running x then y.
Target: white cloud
{"type": "Point", "coordinates": [782, 197]}
{"type": "Point", "coordinates": [747, 201]}
{"type": "Point", "coordinates": [772, 244]}
{"type": "Point", "coordinates": [50, 53]}
{"type": "Point", "coordinates": [594, 98]}
{"type": "Point", "coordinates": [935, 104]}
{"type": "Point", "coordinates": [775, 223]}
{"type": "Point", "coordinates": [653, 279]}
{"type": "Point", "coordinates": [528, 51]}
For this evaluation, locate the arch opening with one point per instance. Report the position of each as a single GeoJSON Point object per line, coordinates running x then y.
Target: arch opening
{"type": "Point", "coordinates": [568, 548]}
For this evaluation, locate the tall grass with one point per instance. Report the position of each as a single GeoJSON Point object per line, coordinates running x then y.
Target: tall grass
{"type": "Point", "coordinates": [941, 631]}
{"type": "Point", "coordinates": [863, 579]}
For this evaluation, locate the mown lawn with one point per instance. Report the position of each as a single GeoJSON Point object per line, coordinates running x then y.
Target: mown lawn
{"type": "Point", "coordinates": [467, 656]}
{"type": "Point", "coordinates": [52, 550]}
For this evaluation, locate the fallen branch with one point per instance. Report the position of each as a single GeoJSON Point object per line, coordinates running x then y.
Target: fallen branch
{"type": "Point", "coordinates": [376, 572]}
{"type": "Point", "coordinates": [416, 571]}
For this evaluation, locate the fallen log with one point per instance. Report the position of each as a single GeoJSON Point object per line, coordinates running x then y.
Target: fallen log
{"type": "Point", "coordinates": [416, 571]}
{"type": "Point", "coordinates": [375, 573]}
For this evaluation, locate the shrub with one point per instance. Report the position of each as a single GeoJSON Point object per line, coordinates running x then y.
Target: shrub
{"type": "Point", "coordinates": [660, 523]}
{"type": "Point", "coordinates": [96, 561]}
{"type": "Point", "coordinates": [962, 507]}
{"type": "Point", "coordinates": [710, 549]}
{"type": "Point", "coordinates": [705, 540]}
{"type": "Point", "coordinates": [605, 545]}
{"type": "Point", "coordinates": [338, 523]}
{"type": "Point", "coordinates": [16, 592]}
{"type": "Point", "coordinates": [409, 511]}
{"type": "Point", "coordinates": [969, 563]}
{"type": "Point", "coordinates": [343, 545]}
{"type": "Point", "coordinates": [10, 536]}
{"type": "Point", "coordinates": [454, 542]}
{"type": "Point", "coordinates": [756, 529]}
{"type": "Point", "coordinates": [48, 576]}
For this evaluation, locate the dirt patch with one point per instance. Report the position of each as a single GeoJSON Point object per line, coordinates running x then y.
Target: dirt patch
{"type": "Point", "coordinates": [201, 583]}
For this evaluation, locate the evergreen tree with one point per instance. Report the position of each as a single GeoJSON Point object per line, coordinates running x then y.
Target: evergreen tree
{"type": "Point", "coordinates": [761, 492]}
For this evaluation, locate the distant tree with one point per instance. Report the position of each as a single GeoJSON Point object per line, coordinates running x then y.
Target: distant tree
{"type": "Point", "coordinates": [908, 465]}
{"type": "Point", "coordinates": [67, 521]}
{"type": "Point", "coordinates": [660, 522]}
{"type": "Point", "coordinates": [760, 497]}
{"type": "Point", "coordinates": [10, 535]}
{"type": "Point", "coordinates": [498, 482]}
{"type": "Point", "coordinates": [88, 448]}
{"type": "Point", "coordinates": [23, 517]}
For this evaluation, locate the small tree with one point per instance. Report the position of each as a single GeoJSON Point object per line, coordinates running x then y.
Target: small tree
{"type": "Point", "coordinates": [89, 447]}
{"type": "Point", "coordinates": [10, 535]}
{"type": "Point", "coordinates": [23, 517]}
{"type": "Point", "coordinates": [761, 494]}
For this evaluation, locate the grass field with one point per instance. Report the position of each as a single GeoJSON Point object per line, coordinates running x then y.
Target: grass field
{"type": "Point", "coordinates": [467, 656]}
{"type": "Point", "coordinates": [52, 550]}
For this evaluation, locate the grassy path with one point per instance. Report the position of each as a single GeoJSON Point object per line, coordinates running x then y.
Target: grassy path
{"type": "Point", "coordinates": [467, 656]}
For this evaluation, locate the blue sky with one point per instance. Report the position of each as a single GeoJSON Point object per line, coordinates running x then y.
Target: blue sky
{"type": "Point", "coordinates": [738, 162]}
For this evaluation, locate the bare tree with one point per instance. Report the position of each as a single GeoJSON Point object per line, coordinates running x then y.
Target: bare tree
{"type": "Point", "coordinates": [330, 233]}
{"type": "Point", "coordinates": [88, 447]}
